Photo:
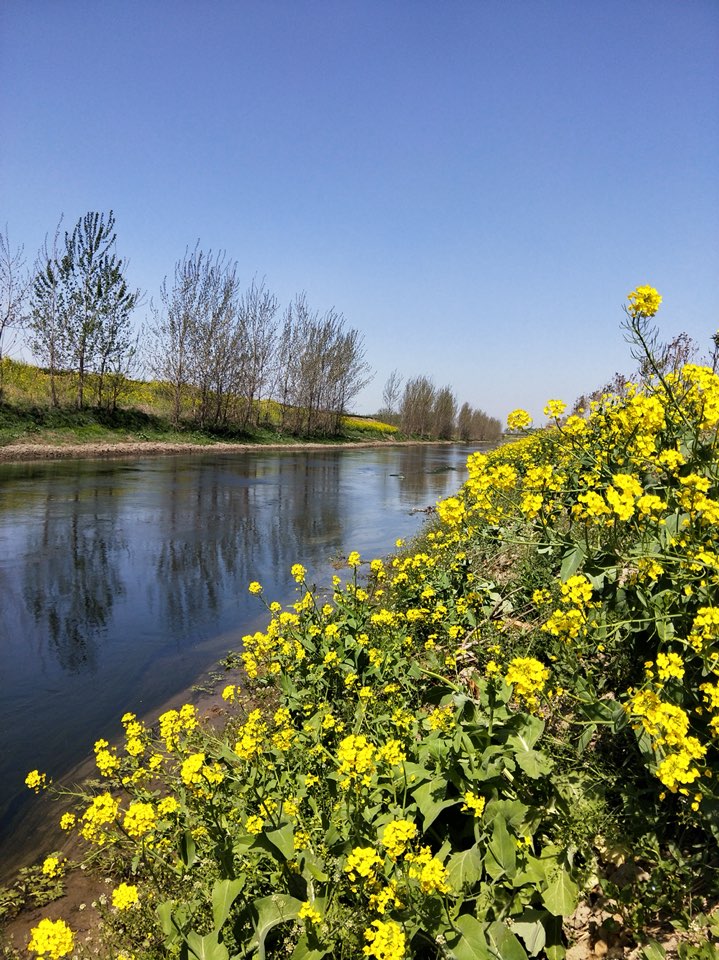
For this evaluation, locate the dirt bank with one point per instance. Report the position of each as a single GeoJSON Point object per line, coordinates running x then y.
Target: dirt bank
{"type": "Point", "coordinates": [16, 452]}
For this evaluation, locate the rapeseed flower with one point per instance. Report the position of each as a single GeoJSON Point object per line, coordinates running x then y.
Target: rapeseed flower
{"type": "Point", "coordinates": [644, 301]}
{"type": "Point", "coordinates": [52, 939]}
{"type": "Point", "coordinates": [386, 941]}
{"type": "Point", "coordinates": [125, 896]}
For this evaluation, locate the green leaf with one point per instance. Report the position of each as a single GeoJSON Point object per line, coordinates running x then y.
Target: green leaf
{"type": "Point", "coordinates": [471, 944]}
{"type": "Point", "coordinates": [501, 852]}
{"type": "Point", "coordinates": [529, 733]}
{"type": "Point", "coordinates": [430, 801]}
{"type": "Point", "coordinates": [465, 869]}
{"type": "Point", "coordinates": [224, 894]}
{"type": "Point", "coordinates": [531, 929]}
{"type": "Point", "coordinates": [188, 849]}
{"type": "Point", "coordinates": [561, 895]}
{"type": "Point", "coordinates": [169, 923]}
{"type": "Point", "coordinates": [272, 911]}
{"type": "Point", "coordinates": [303, 950]}
{"type": "Point", "coordinates": [505, 943]}
{"type": "Point", "coordinates": [654, 951]}
{"type": "Point", "coordinates": [206, 948]}
{"type": "Point", "coordinates": [283, 839]}
{"type": "Point", "coordinates": [534, 763]}
{"type": "Point", "coordinates": [571, 562]}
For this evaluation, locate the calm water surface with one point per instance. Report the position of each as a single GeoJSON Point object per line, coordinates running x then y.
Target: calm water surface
{"type": "Point", "coordinates": [122, 581]}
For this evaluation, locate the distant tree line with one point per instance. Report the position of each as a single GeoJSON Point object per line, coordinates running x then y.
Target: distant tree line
{"type": "Point", "coordinates": [421, 409]}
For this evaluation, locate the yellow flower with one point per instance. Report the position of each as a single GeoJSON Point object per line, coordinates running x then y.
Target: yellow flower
{"type": "Point", "coordinates": [353, 560]}
{"type": "Point", "coordinates": [473, 804]}
{"type": "Point", "coordinates": [432, 876]}
{"type": "Point", "coordinates": [125, 896]}
{"type": "Point", "coordinates": [139, 819]}
{"type": "Point", "coordinates": [555, 408]}
{"type": "Point", "coordinates": [385, 942]}
{"type": "Point", "coordinates": [67, 821]}
{"type": "Point", "coordinates": [362, 862]}
{"type": "Point", "coordinates": [298, 572]}
{"type": "Point", "coordinates": [644, 301]}
{"type": "Point", "coordinates": [397, 835]}
{"type": "Point", "coordinates": [52, 939]}
{"type": "Point", "coordinates": [52, 867]}
{"type": "Point", "coordinates": [36, 781]}
{"type": "Point", "coordinates": [528, 677]}
{"type": "Point", "coordinates": [518, 420]}
{"type": "Point", "coordinates": [307, 912]}
{"type": "Point", "coordinates": [255, 587]}
{"type": "Point", "coordinates": [253, 824]}
{"type": "Point", "coordinates": [670, 665]}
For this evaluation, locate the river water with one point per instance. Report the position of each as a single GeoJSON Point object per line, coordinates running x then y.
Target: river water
{"type": "Point", "coordinates": [122, 581]}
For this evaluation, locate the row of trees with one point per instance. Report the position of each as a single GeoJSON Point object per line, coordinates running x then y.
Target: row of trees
{"type": "Point", "coordinates": [419, 408]}
{"type": "Point", "coordinates": [224, 352]}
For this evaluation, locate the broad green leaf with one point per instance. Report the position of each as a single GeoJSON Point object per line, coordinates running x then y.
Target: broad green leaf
{"type": "Point", "coordinates": [501, 852]}
{"type": "Point", "coordinates": [465, 869]}
{"type": "Point", "coordinates": [529, 732]}
{"type": "Point", "coordinates": [505, 943]}
{"type": "Point", "coordinates": [169, 922]}
{"type": "Point", "coordinates": [206, 948]}
{"type": "Point", "coordinates": [471, 944]}
{"type": "Point", "coordinates": [534, 763]}
{"type": "Point", "coordinates": [571, 562]}
{"type": "Point", "coordinates": [271, 911]}
{"type": "Point", "coordinates": [430, 801]}
{"type": "Point", "coordinates": [303, 950]}
{"type": "Point", "coordinates": [283, 839]}
{"type": "Point", "coordinates": [513, 812]}
{"type": "Point", "coordinates": [224, 894]}
{"type": "Point", "coordinates": [561, 895]}
{"type": "Point", "coordinates": [531, 930]}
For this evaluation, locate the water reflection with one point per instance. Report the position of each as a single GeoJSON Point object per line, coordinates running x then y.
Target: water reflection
{"type": "Point", "coordinates": [122, 582]}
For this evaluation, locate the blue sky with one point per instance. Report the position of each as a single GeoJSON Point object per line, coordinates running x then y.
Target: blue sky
{"type": "Point", "coordinates": [476, 186]}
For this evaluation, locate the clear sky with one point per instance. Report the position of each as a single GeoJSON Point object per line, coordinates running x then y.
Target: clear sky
{"type": "Point", "coordinates": [476, 185]}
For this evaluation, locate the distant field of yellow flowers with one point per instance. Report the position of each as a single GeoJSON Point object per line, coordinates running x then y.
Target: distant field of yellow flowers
{"type": "Point", "coordinates": [455, 747]}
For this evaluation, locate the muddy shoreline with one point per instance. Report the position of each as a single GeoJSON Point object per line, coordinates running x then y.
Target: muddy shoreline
{"type": "Point", "coordinates": [23, 452]}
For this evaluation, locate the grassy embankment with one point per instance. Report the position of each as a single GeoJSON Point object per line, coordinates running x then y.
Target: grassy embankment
{"type": "Point", "coordinates": [142, 417]}
{"type": "Point", "coordinates": [500, 744]}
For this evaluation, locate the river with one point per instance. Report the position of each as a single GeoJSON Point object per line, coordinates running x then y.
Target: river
{"type": "Point", "coordinates": [122, 582]}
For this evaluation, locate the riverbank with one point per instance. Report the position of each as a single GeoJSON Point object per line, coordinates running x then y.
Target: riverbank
{"type": "Point", "coordinates": [21, 452]}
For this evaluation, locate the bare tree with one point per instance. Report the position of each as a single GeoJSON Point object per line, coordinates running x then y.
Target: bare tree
{"type": "Point", "coordinates": [321, 368]}
{"type": "Point", "coordinates": [257, 348]}
{"type": "Point", "coordinates": [464, 422]}
{"type": "Point", "coordinates": [391, 396]}
{"type": "Point", "coordinates": [194, 346]}
{"type": "Point", "coordinates": [15, 284]}
{"type": "Point", "coordinates": [443, 413]}
{"type": "Point", "coordinates": [417, 406]}
{"type": "Point", "coordinates": [48, 303]}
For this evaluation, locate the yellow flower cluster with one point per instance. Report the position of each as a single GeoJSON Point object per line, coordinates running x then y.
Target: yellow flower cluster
{"type": "Point", "coordinates": [125, 896]}
{"type": "Point", "coordinates": [52, 939]}
{"type": "Point", "coordinates": [429, 871]}
{"type": "Point", "coordinates": [251, 736]}
{"type": "Point", "coordinates": [356, 756]}
{"type": "Point", "coordinates": [176, 723]}
{"type": "Point", "coordinates": [385, 941]}
{"type": "Point", "coordinates": [644, 301]}
{"type": "Point", "coordinates": [397, 834]}
{"type": "Point", "coordinates": [528, 677]}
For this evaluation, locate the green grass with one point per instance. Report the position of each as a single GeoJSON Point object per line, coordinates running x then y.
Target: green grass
{"type": "Point", "coordinates": [26, 415]}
